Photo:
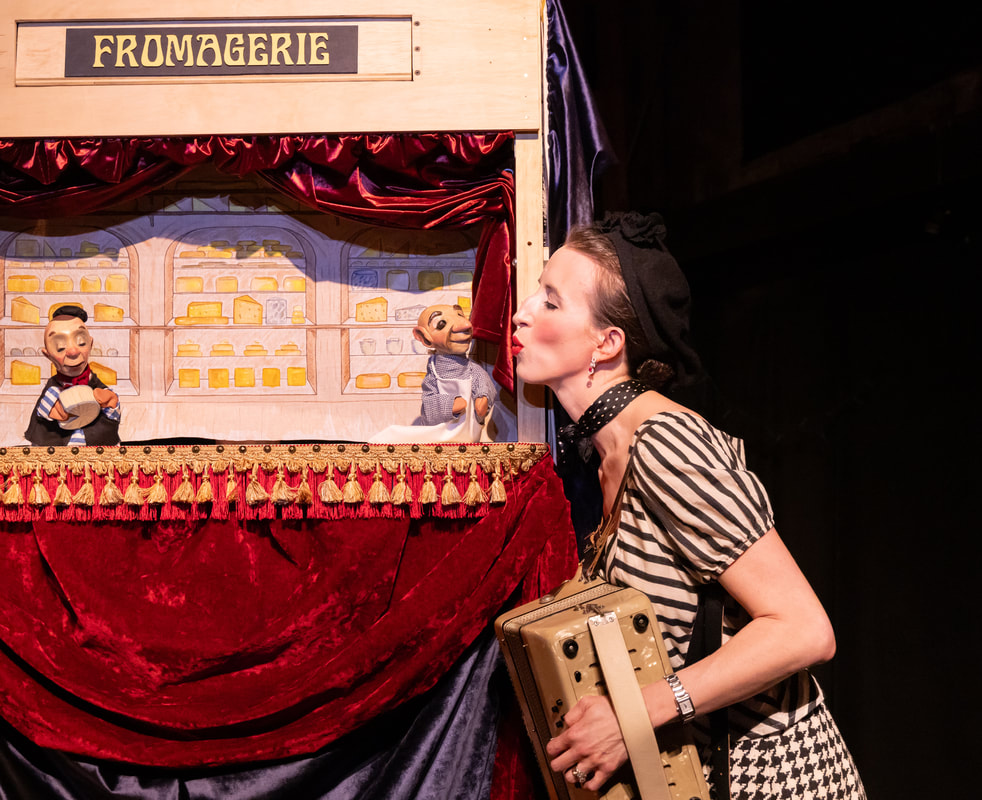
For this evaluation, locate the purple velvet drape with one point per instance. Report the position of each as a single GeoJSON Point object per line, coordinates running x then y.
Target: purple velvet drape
{"type": "Point", "coordinates": [419, 181]}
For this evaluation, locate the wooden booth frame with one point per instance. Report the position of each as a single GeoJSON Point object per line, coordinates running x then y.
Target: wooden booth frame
{"type": "Point", "coordinates": [423, 66]}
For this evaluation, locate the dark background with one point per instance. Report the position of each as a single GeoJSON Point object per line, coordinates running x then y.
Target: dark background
{"type": "Point", "coordinates": [818, 166]}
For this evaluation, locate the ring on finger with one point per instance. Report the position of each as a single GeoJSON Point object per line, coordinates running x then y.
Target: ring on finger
{"type": "Point", "coordinates": [581, 777]}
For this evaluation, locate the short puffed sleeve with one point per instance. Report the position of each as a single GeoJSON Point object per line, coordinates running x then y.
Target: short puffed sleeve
{"type": "Point", "coordinates": [693, 480]}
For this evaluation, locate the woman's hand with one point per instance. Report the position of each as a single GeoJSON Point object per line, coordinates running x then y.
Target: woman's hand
{"type": "Point", "coordinates": [592, 743]}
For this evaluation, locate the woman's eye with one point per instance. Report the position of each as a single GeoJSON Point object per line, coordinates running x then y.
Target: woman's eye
{"type": "Point", "coordinates": [550, 306]}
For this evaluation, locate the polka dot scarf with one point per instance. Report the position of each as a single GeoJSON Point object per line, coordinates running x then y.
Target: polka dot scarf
{"type": "Point", "coordinates": [601, 411]}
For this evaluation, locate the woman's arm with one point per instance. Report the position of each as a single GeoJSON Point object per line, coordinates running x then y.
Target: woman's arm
{"type": "Point", "coordinates": [789, 630]}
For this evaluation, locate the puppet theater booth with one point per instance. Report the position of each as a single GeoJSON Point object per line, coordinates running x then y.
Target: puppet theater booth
{"type": "Point", "coordinates": [245, 599]}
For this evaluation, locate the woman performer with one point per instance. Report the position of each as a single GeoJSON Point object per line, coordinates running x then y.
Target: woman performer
{"type": "Point", "coordinates": [607, 331]}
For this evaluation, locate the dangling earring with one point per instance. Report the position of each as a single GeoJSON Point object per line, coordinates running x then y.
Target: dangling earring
{"type": "Point", "coordinates": [590, 370]}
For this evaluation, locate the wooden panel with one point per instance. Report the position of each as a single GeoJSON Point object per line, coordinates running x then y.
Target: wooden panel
{"type": "Point", "coordinates": [530, 254]}
{"type": "Point", "coordinates": [474, 66]}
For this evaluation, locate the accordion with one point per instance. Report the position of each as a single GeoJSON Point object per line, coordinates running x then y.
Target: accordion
{"type": "Point", "coordinates": [550, 649]}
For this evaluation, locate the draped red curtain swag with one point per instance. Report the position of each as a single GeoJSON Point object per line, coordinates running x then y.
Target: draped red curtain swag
{"type": "Point", "coordinates": [184, 644]}
{"type": "Point", "coordinates": [419, 181]}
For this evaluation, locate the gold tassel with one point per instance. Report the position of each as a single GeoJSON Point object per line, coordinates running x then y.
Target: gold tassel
{"type": "Point", "coordinates": [474, 496]}
{"type": "Point", "coordinates": [282, 494]}
{"type": "Point", "coordinates": [231, 486]}
{"type": "Point", "coordinates": [111, 495]}
{"type": "Point", "coordinates": [328, 490]}
{"type": "Point", "coordinates": [402, 495]}
{"type": "Point", "coordinates": [39, 495]}
{"type": "Point", "coordinates": [450, 496]}
{"type": "Point", "coordinates": [305, 495]}
{"type": "Point", "coordinates": [205, 492]}
{"type": "Point", "coordinates": [497, 489]}
{"type": "Point", "coordinates": [427, 495]}
{"type": "Point", "coordinates": [255, 493]}
{"type": "Point", "coordinates": [134, 496]}
{"type": "Point", "coordinates": [85, 496]}
{"type": "Point", "coordinates": [13, 495]}
{"type": "Point", "coordinates": [63, 497]}
{"type": "Point", "coordinates": [378, 494]}
{"type": "Point", "coordinates": [185, 492]}
{"type": "Point", "coordinates": [352, 491]}
{"type": "Point", "coordinates": [157, 495]}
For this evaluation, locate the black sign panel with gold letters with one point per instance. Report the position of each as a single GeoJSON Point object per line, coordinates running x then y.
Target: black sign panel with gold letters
{"type": "Point", "coordinates": [215, 49]}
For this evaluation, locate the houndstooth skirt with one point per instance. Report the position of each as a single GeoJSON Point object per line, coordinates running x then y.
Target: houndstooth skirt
{"type": "Point", "coordinates": [808, 761]}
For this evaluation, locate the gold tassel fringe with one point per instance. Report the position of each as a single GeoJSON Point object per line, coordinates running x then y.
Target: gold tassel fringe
{"type": "Point", "coordinates": [63, 497]}
{"type": "Point", "coordinates": [205, 491]}
{"type": "Point", "coordinates": [255, 493]}
{"type": "Point", "coordinates": [352, 491]}
{"type": "Point", "coordinates": [378, 494]}
{"type": "Point", "coordinates": [449, 496]}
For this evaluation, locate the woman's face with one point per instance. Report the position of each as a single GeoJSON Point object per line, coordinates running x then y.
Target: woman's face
{"type": "Point", "coordinates": [555, 335]}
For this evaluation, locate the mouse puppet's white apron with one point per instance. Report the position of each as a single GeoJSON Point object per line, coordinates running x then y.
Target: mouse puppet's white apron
{"type": "Point", "coordinates": [465, 428]}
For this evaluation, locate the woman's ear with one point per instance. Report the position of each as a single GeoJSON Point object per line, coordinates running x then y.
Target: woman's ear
{"type": "Point", "coordinates": [612, 344]}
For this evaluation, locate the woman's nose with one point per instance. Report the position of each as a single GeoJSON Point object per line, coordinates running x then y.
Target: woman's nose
{"type": "Point", "coordinates": [520, 317]}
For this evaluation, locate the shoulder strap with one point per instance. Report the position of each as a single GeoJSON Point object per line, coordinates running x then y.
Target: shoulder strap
{"type": "Point", "coordinates": [707, 637]}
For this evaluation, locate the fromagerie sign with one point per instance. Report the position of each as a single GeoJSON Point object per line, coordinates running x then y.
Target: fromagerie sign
{"type": "Point", "coordinates": [243, 48]}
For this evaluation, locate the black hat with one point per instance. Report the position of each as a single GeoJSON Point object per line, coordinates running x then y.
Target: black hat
{"type": "Point", "coordinates": [70, 311]}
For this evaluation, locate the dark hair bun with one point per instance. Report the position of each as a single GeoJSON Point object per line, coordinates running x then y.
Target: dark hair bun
{"type": "Point", "coordinates": [655, 373]}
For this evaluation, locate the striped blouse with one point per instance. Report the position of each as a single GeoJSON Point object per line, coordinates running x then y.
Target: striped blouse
{"type": "Point", "coordinates": [690, 509]}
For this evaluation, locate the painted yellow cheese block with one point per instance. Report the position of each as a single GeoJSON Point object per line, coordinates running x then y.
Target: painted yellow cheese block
{"type": "Point", "coordinates": [374, 310]}
{"type": "Point", "coordinates": [292, 284]}
{"type": "Point", "coordinates": [271, 376]}
{"type": "Point", "coordinates": [203, 312]}
{"type": "Point", "coordinates": [23, 283]}
{"type": "Point", "coordinates": [188, 378]}
{"type": "Point", "coordinates": [105, 374]}
{"type": "Point", "coordinates": [205, 308]}
{"type": "Point", "coordinates": [201, 321]}
{"type": "Point", "coordinates": [58, 283]}
{"type": "Point", "coordinates": [90, 283]}
{"type": "Point", "coordinates": [255, 349]}
{"type": "Point", "coordinates": [264, 284]}
{"type": "Point", "coordinates": [24, 374]}
{"type": "Point", "coordinates": [227, 283]}
{"type": "Point", "coordinates": [189, 350]}
{"type": "Point", "coordinates": [296, 376]}
{"type": "Point", "coordinates": [410, 380]}
{"type": "Point", "coordinates": [106, 313]}
{"type": "Point", "coordinates": [465, 304]}
{"type": "Point", "coordinates": [23, 310]}
{"type": "Point", "coordinates": [373, 380]}
{"type": "Point", "coordinates": [222, 349]}
{"type": "Point", "coordinates": [245, 376]}
{"type": "Point", "coordinates": [117, 283]}
{"type": "Point", "coordinates": [246, 311]}
{"type": "Point", "coordinates": [189, 283]}
{"type": "Point", "coordinates": [289, 349]}
{"type": "Point", "coordinates": [218, 378]}
{"type": "Point", "coordinates": [430, 279]}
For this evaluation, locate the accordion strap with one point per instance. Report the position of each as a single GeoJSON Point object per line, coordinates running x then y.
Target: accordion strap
{"type": "Point", "coordinates": [625, 695]}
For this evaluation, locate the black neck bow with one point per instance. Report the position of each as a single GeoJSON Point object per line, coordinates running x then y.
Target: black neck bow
{"type": "Point", "coordinates": [601, 411]}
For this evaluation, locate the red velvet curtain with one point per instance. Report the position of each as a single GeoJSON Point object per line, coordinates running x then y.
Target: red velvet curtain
{"type": "Point", "coordinates": [419, 181]}
{"type": "Point", "coordinates": [183, 644]}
